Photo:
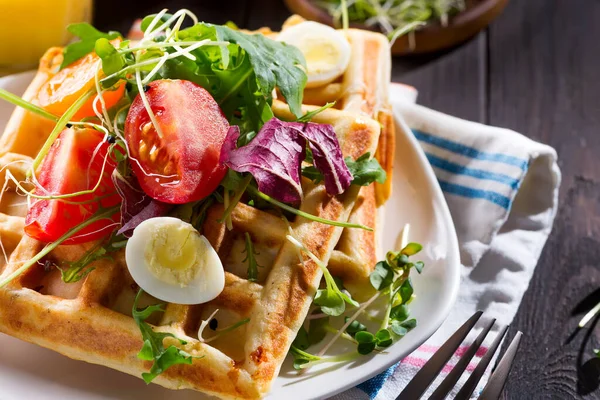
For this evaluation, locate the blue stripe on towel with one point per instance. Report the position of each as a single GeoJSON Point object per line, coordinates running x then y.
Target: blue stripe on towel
{"type": "Point", "coordinates": [465, 191]}
{"type": "Point", "coordinates": [474, 172]}
{"type": "Point", "coordinates": [467, 151]}
{"type": "Point", "coordinates": [372, 386]}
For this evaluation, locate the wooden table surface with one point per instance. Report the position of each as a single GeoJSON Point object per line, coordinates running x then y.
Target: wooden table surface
{"type": "Point", "coordinates": [536, 70]}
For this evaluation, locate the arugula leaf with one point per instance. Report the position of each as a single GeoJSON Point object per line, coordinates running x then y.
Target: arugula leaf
{"type": "Point", "coordinates": [274, 63]}
{"type": "Point", "coordinates": [88, 36]}
{"type": "Point", "coordinates": [73, 271]}
{"type": "Point", "coordinates": [311, 114]}
{"type": "Point", "coordinates": [250, 257]}
{"type": "Point", "coordinates": [153, 348]}
{"type": "Point", "coordinates": [366, 170]}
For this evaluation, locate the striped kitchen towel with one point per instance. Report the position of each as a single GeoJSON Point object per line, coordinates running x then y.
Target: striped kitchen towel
{"type": "Point", "coordinates": [502, 191]}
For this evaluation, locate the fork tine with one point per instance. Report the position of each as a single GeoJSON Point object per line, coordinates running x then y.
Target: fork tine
{"type": "Point", "coordinates": [471, 383]}
{"type": "Point", "coordinates": [421, 381]}
{"type": "Point", "coordinates": [494, 387]}
{"type": "Point", "coordinates": [448, 383]}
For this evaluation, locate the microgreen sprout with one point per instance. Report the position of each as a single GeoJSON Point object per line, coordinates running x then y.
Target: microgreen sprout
{"type": "Point", "coordinates": [100, 215]}
{"type": "Point", "coordinates": [219, 332]}
{"type": "Point", "coordinates": [251, 258]}
{"type": "Point", "coordinates": [331, 299]}
{"type": "Point", "coordinates": [303, 214]}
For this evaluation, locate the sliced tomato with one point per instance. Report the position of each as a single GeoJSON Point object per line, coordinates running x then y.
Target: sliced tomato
{"type": "Point", "coordinates": [73, 164]}
{"type": "Point", "coordinates": [182, 165]}
{"type": "Point", "coordinates": [71, 82]}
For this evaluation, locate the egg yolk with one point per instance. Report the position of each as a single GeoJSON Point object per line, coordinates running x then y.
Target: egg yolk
{"type": "Point", "coordinates": [320, 54]}
{"type": "Point", "coordinates": [172, 254]}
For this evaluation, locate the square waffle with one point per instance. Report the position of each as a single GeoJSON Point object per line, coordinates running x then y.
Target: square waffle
{"type": "Point", "coordinates": [91, 320]}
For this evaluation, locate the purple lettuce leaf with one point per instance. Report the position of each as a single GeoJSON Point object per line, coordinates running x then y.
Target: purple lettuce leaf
{"type": "Point", "coordinates": [137, 206]}
{"type": "Point", "coordinates": [327, 156]}
{"type": "Point", "coordinates": [273, 157]}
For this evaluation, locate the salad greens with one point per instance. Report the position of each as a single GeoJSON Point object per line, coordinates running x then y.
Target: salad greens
{"type": "Point", "coordinates": [75, 271]}
{"type": "Point", "coordinates": [88, 35]}
{"type": "Point", "coordinates": [391, 280]}
{"type": "Point", "coordinates": [274, 157]}
{"type": "Point", "coordinates": [153, 348]}
{"type": "Point", "coordinates": [392, 16]}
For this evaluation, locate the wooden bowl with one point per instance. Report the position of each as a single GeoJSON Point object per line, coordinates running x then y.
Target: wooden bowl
{"type": "Point", "coordinates": [432, 37]}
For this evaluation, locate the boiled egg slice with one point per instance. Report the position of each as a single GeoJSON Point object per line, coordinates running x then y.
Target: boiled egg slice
{"type": "Point", "coordinates": [171, 261]}
{"type": "Point", "coordinates": [326, 50]}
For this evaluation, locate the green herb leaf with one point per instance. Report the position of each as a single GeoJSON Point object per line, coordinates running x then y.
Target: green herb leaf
{"type": "Point", "coordinates": [402, 328]}
{"type": "Point", "coordinates": [354, 327]}
{"type": "Point", "coordinates": [384, 338]}
{"type": "Point", "coordinates": [148, 19]}
{"type": "Point", "coordinates": [330, 301]}
{"type": "Point", "coordinates": [366, 342]}
{"type": "Point", "coordinates": [365, 170]}
{"type": "Point", "coordinates": [87, 35]}
{"type": "Point", "coordinates": [301, 357]}
{"type": "Point", "coordinates": [112, 61]}
{"type": "Point", "coordinates": [406, 291]}
{"type": "Point", "coordinates": [75, 271]}
{"type": "Point", "coordinates": [301, 341]}
{"type": "Point", "coordinates": [251, 259]}
{"type": "Point", "coordinates": [399, 313]}
{"type": "Point", "coordinates": [382, 277]}
{"type": "Point", "coordinates": [274, 63]}
{"type": "Point", "coordinates": [411, 249]}
{"type": "Point", "coordinates": [317, 330]}
{"type": "Point", "coordinates": [311, 172]}
{"type": "Point", "coordinates": [419, 265]}
{"type": "Point", "coordinates": [153, 348]}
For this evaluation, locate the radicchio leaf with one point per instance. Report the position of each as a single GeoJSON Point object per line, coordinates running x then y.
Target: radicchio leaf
{"type": "Point", "coordinates": [137, 206]}
{"type": "Point", "coordinates": [275, 155]}
{"type": "Point", "coordinates": [327, 156]}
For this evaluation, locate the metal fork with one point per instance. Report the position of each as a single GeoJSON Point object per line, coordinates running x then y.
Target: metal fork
{"type": "Point", "coordinates": [423, 379]}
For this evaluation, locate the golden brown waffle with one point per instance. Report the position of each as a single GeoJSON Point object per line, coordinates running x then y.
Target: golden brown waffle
{"type": "Point", "coordinates": [91, 320]}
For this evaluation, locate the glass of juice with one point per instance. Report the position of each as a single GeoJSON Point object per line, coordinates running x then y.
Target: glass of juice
{"type": "Point", "coordinates": [29, 27]}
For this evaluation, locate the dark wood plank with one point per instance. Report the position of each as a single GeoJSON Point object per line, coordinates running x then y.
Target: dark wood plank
{"type": "Point", "coordinates": [453, 83]}
{"type": "Point", "coordinates": [119, 14]}
{"type": "Point", "coordinates": [545, 82]}
{"type": "Point", "coordinates": [270, 13]}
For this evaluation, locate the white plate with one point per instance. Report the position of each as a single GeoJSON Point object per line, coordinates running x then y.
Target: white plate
{"type": "Point", "coordinates": [29, 371]}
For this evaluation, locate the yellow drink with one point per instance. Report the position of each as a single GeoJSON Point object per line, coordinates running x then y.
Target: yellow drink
{"type": "Point", "coordinates": [29, 27]}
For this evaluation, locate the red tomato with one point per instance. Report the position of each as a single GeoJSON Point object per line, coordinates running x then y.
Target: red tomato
{"type": "Point", "coordinates": [183, 165]}
{"type": "Point", "coordinates": [71, 82]}
{"type": "Point", "coordinates": [73, 164]}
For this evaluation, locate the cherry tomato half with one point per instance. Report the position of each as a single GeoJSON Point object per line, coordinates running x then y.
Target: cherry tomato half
{"type": "Point", "coordinates": [182, 165]}
{"type": "Point", "coordinates": [73, 164]}
{"type": "Point", "coordinates": [71, 82]}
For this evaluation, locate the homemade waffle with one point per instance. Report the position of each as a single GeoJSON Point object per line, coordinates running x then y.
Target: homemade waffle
{"type": "Point", "coordinates": [363, 90]}
{"type": "Point", "coordinates": [91, 320]}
